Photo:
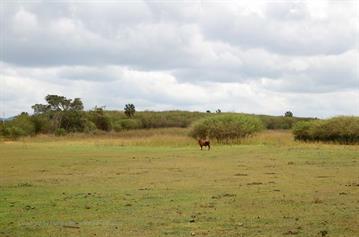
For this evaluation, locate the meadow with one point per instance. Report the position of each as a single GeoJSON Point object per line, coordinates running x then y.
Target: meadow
{"type": "Point", "coordinates": [158, 182]}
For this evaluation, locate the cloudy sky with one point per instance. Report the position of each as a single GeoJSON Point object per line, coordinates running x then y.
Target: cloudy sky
{"type": "Point", "coordinates": [262, 57]}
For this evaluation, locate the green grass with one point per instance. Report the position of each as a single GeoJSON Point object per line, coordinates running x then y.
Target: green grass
{"type": "Point", "coordinates": [158, 183]}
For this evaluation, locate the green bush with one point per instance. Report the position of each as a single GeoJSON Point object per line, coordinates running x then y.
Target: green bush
{"type": "Point", "coordinates": [73, 121]}
{"type": "Point", "coordinates": [168, 119]}
{"type": "Point", "coordinates": [130, 124]}
{"type": "Point", "coordinates": [226, 128]}
{"type": "Point", "coordinates": [90, 127]}
{"type": "Point", "coordinates": [117, 126]}
{"type": "Point", "coordinates": [42, 123]}
{"type": "Point", "coordinates": [23, 122]}
{"type": "Point", "coordinates": [100, 119]}
{"type": "Point", "coordinates": [344, 130]}
{"type": "Point", "coordinates": [279, 122]}
{"type": "Point", "coordinates": [13, 132]}
{"type": "Point", "coordinates": [60, 132]}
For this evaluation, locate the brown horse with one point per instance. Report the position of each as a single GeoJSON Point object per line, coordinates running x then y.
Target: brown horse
{"type": "Point", "coordinates": [203, 142]}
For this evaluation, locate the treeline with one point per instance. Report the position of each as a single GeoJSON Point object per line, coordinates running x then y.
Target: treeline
{"type": "Point", "coordinates": [343, 129]}
{"type": "Point", "coordinates": [61, 115]}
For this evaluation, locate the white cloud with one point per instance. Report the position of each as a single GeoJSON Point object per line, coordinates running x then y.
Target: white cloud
{"type": "Point", "coordinates": [248, 56]}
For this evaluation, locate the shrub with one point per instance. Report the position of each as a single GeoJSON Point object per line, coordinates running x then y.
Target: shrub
{"type": "Point", "coordinates": [42, 123]}
{"type": "Point", "coordinates": [89, 127]}
{"type": "Point", "coordinates": [13, 132]}
{"type": "Point", "coordinates": [73, 121]}
{"type": "Point", "coordinates": [100, 119]}
{"type": "Point", "coordinates": [117, 126]}
{"type": "Point", "coordinates": [279, 122]}
{"type": "Point", "coordinates": [226, 128]}
{"type": "Point", "coordinates": [344, 130]}
{"type": "Point", "coordinates": [60, 132]}
{"type": "Point", "coordinates": [23, 122]}
{"type": "Point", "coordinates": [170, 118]}
{"type": "Point", "coordinates": [130, 124]}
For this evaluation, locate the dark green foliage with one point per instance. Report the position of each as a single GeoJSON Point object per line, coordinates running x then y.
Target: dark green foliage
{"type": "Point", "coordinates": [130, 110]}
{"type": "Point", "coordinates": [131, 124]}
{"type": "Point", "coordinates": [344, 130]}
{"type": "Point", "coordinates": [13, 132]}
{"type": "Point", "coordinates": [90, 127]}
{"type": "Point", "coordinates": [117, 126]}
{"type": "Point", "coordinates": [101, 120]}
{"type": "Point", "coordinates": [73, 121]}
{"type": "Point", "coordinates": [42, 123]}
{"type": "Point", "coordinates": [280, 122]}
{"type": "Point", "coordinates": [58, 103]}
{"type": "Point", "coordinates": [168, 119]}
{"type": "Point", "coordinates": [67, 114]}
{"type": "Point", "coordinates": [40, 108]}
{"type": "Point", "coordinates": [226, 128]}
{"type": "Point", "coordinates": [288, 114]}
{"type": "Point", "coordinates": [62, 112]}
{"type": "Point", "coordinates": [21, 125]}
{"type": "Point", "coordinates": [60, 132]}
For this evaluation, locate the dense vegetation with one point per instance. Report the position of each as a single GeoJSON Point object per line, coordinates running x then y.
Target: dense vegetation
{"type": "Point", "coordinates": [342, 129]}
{"type": "Point", "coordinates": [61, 116]}
{"type": "Point", "coordinates": [226, 128]}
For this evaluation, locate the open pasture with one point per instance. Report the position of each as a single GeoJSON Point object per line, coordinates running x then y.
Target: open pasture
{"type": "Point", "coordinates": [159, 183]}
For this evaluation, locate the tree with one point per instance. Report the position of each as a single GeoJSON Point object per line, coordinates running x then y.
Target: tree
{"type": "Point", "coordinates": [218, 111]}
{"type": "Point", "coordinates": [62, 112]}
{"type": "Point", "coordinates": [130, 110]}
{"type": "Point", "coordinates": [58, 103]}
{"type": "Point", "coordinates": [208, 111]}
{"type": "Point", "coordinates": [288, 114]}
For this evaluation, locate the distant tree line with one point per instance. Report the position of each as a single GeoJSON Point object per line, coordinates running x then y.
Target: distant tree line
{"type": "Point", "coordinates": [61, 115]}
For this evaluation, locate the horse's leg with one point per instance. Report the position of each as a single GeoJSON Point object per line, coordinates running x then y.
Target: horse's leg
{"type": "Point", "coordinates": [209, 147]}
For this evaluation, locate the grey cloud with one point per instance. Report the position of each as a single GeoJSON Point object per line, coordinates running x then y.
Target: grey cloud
{"type": "Point", "coordinates": [154, 53]}
{"type": "Point", "coordinates": [287, 10]}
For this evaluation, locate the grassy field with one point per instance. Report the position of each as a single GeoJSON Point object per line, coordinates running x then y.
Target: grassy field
{"type": "Point", "coordinates": [158, 183]}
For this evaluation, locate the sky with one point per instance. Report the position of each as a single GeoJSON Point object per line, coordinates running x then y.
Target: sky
{"type": "Point", "coordinates": [262, 57]}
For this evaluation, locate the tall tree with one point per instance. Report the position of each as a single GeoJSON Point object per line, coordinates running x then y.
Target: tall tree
{"type": "Point", "coordinates": [130, 110]}
{"type": "Point", "coordinates": [288, 114]}
{"type": "Point", "coordinates": [64, 113]}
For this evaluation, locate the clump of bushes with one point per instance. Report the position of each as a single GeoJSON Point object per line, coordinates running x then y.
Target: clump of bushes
{"type": "Point", "coordinates": [12, 132]}
{"type": "Point", "coordinates": [343, 129]}
{"type": "Point", "coordinates": [100, 119]}
{"type": "Point", "coordinates": [226, 128]}
{"type": "Point", "coordinates": [127, 124]}
{"type": "Point", "coordinates": [21, 125]}
{"type": "Point", "coordinates": [166, 119]}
